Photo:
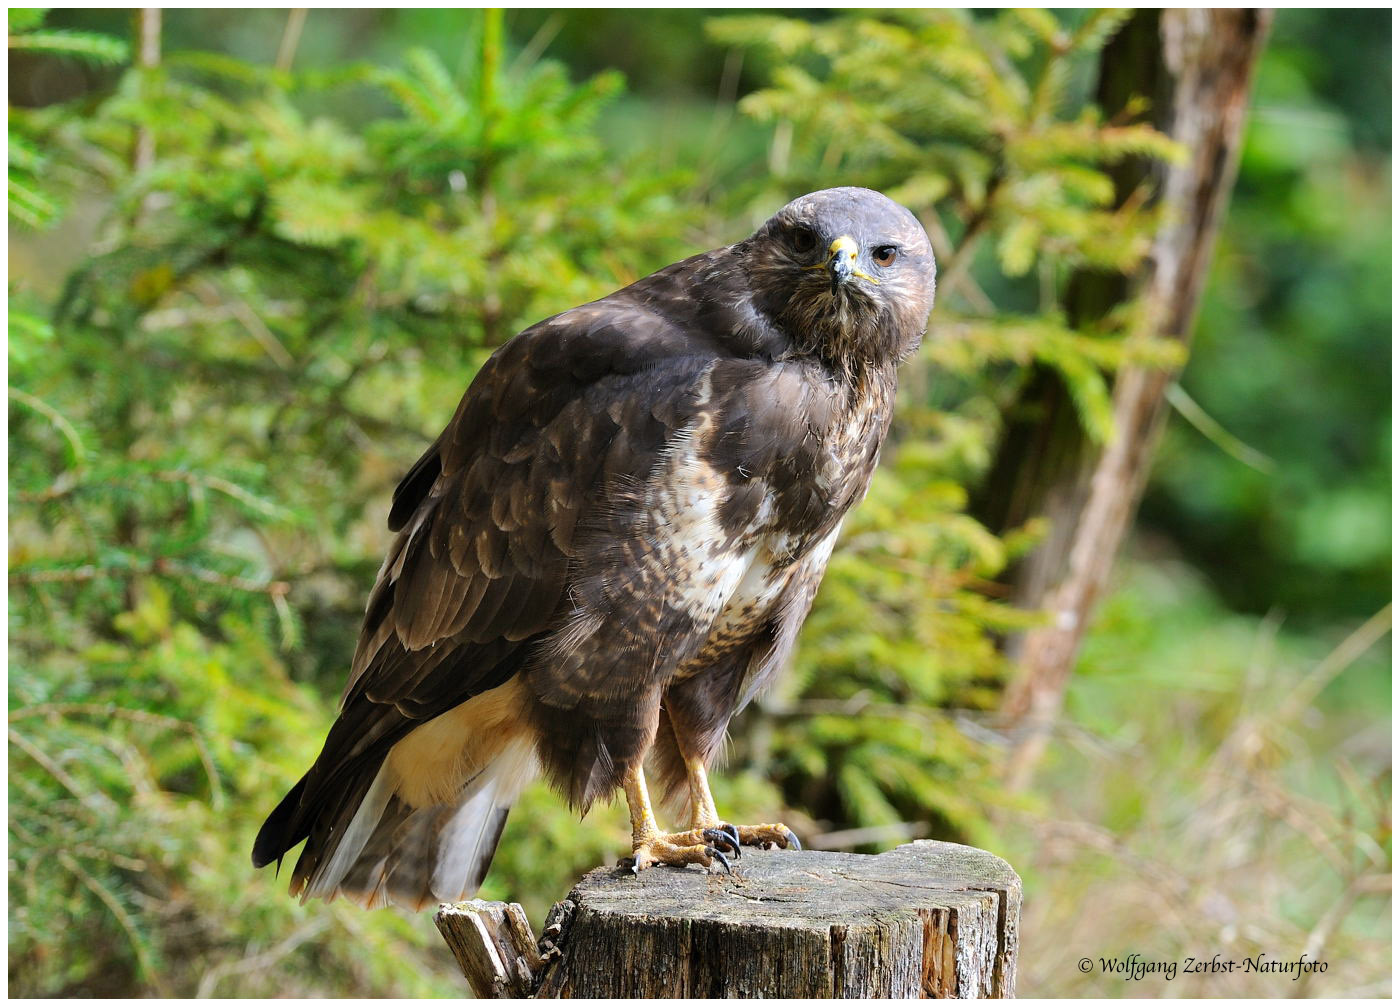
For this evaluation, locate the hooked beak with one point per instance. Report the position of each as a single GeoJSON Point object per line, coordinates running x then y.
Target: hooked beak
{"type": "Point", "coordinates": [841, 263]}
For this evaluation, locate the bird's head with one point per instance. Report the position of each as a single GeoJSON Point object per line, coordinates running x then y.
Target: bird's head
{"type": "Point", "coordinates": [847, 274]}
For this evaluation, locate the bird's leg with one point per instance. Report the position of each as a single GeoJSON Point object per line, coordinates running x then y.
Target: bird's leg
{"type": "Point", "coordinates": [651, 846]}
{"type": "Point", "coordinates": [703, 815]}
{"type": "Point", "coordinates": [702, 803]}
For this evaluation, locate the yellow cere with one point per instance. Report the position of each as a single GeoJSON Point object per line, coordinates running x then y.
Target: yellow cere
{"type": "Point", "coordinates": [845, 243]}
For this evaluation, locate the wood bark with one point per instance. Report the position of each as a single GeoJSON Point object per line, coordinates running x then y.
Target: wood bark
{"type": "Point", "coordinates": [1195, 65]}
{"type": "Point", "coordinates": [927, 919]}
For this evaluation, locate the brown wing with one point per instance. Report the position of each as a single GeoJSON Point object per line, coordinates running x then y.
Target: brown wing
{"type": "Point", "coordinates": [488, 520]}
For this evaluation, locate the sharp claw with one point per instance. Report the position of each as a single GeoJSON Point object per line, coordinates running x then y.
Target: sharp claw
{"type": "Point", "coordinates": [733, 833]}
{"type": "Point", "coordinates": [717, 855]}
{"type": "Point", "coordinates": [721, 838]}
{"type": "Point", "coordinates": [793, 843]}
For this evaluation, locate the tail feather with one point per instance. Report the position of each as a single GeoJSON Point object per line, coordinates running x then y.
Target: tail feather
{"type": "Point", "coordinates": [393, 853]}
{"type": "Point", "coordinates": [278, 833]}
{"type": "Point", "coordinates": [342, 855]}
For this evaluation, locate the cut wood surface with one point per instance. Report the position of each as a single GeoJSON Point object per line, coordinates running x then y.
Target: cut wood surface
{"type": "Point", "coordinates": [927, 919]}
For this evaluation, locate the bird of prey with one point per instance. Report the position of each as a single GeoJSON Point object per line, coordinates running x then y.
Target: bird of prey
{"type": "Point", "coordinates": [609, 551]}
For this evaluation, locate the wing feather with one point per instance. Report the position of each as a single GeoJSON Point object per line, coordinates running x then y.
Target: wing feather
{"type": "Point", "coordinates": [489, 520]}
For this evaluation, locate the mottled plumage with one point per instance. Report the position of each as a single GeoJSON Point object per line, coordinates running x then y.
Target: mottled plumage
{"type": "Point", "coordinates": [611, 547]}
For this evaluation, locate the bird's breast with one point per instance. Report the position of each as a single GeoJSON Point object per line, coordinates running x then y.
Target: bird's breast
{"type": "Point", "coordinates": [839, 471]}
{"type": "Point", "coordinates": [759, 581]}
{"type": "Point", "coordinates": [734, 529]}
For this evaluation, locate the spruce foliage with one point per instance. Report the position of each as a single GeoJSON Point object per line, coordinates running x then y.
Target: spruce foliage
{"type": "Point", "coordinates": [281, 307]}
{"type": "Point", "coordinates": [277, 313]}
{"type": "Point", "coordinates": [983, 126]}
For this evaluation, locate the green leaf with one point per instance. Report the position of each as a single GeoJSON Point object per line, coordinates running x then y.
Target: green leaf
{"type": "Point", "coordinates": [29, 205]}
{"type": "Point", "coordinates": [26, 18]}
{"type": "Point", "coordinates": [101, 50]}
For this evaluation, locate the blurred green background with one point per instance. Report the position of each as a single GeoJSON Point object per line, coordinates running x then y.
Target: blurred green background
{"type": "Point", "coordinates": [249, 283]}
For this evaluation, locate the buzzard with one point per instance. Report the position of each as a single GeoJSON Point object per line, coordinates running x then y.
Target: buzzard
{"type": "Point", "coordinates": [609, 551]}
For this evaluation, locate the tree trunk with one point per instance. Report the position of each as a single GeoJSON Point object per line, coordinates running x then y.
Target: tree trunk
{"type": "Point", "coordinates": [1195, 66]}
{"type": "Point", "coordinates": [927, 919]}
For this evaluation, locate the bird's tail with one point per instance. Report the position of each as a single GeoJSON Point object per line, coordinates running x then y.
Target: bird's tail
{"type": "Point", "coordinates": [393, 853]}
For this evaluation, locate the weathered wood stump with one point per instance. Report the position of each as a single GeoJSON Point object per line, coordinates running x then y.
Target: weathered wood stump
{"type": "Point", "coordinates": [927, 919]}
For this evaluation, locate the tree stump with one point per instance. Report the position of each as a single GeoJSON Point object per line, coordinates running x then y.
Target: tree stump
{"type": "Point", "coordinates": [927, 919]}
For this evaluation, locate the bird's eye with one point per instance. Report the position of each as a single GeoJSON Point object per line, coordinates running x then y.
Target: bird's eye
{"type": "Point", "coordinates": [804, 239]}
{"type": "Point", "coordinates": [885, 255]}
